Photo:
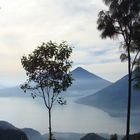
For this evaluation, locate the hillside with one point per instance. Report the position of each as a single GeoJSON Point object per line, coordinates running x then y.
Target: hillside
{"type": "Point", "coordinates": [86, 83]}
{"type": "Point", "coordinates": [10, 132]}
{"type": "Point", "coordinates": [7, 129]}
{"type": "Point", "coordinates": [65, 136]}
{"type": "Point", "coordinates": [32, 134]}
{"type": "Point", "coordinates": [113, 99]}
{"type": "Point", "coordinates": [6, 125]}
{"type": "Point", "coordinates": [92, 136]}
{"type": "Point", "coordinates": [133, 137]}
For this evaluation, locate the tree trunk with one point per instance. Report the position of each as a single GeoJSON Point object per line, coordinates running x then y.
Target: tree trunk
{"type": "Point", "coordinates": [129, 95]}
{"type": "Point", "coordinates": [50, 127]}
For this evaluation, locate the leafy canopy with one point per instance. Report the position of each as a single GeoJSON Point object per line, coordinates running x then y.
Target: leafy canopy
{"type": "Point", "coordinates": [48, 71]}
{"type": "Point", "coordinates": [123, 19]}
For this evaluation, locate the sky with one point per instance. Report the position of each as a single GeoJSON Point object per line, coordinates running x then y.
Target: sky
{"type": "Point", "coordinates": [25, 24]}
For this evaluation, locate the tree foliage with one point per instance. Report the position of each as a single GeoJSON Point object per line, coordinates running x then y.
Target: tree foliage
{"type": "Point", "coordinates": [123, 19]}
{"type": "Point", "coordinates": [48, 72]}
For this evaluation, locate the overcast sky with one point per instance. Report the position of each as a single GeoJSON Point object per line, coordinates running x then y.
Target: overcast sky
{"type": "Point", "coordinates": [25, 24]}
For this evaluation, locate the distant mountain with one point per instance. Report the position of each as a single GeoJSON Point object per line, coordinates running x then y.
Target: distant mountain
{"type": "Point", "coordinates": [7, 128]}
{"type": "Point", "coordinates": [81, 73]}
{"type": "Point", "coordinates": [68, 136]}
{"type": "Point", "coordinates": [84, 84]}
{"type": "Point", "coordinates": [32, 134]}
{"type": "Point", "coordinates": [113, 99]}
{"type": "Point", "coordinates": [65, 136]}
{"type": "Point", "coordinates": [92, 136]}
{"type": "Point", "coordinates": [77, 136]}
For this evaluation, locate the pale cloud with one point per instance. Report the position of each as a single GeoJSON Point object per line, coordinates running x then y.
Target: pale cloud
{"type": "Point", "coordinates": [96, 55]}
{"type": "Point", "coordinates": [26, 24]}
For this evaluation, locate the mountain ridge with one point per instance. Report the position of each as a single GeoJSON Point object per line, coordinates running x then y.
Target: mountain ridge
{"type": "Point", "coordinates": [92, 136]}
{"type": "Point", "coordinates": [33, 134]}
{"type": "Point", "coordinates": [80, 72]}
{"type": "Point", "coordinates": [113, 98]}
{"type": "Point", "coordinates": [6, 125]}
{"type": "Point", "coordinates": [84, 84]}
{"type": "Point", "coordinates": [9, 131]}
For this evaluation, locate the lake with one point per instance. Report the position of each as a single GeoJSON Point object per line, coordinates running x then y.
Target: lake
{"type": "Point", "coordinates": [28, 112]}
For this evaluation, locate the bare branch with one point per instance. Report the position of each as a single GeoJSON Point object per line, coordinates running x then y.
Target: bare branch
{"type": "Point", "coordinates": [44, 98]}
{"type": "Point", "coordinates": [54, 97]}
{"type": "Point", "coordinates": [133, 64]}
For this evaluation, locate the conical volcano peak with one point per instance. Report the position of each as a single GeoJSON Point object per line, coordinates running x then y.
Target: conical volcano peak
{"type": "Point", "coordinates": [79, 72]}
{"type": "Point", "coordinates": [80, 69]}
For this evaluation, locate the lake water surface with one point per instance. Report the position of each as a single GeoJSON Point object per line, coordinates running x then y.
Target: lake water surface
{"type": "Point", "coordinates": [26, 112]}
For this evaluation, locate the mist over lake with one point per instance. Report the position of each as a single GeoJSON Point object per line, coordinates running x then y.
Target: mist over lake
{"type": "Point", "coordinates": [26, 112]}
{"type": "Point", "coordinates": [21, 110]}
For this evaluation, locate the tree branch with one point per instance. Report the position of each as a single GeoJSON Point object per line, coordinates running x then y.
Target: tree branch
{"type": "Point", "coordinates": [54, 97]}
{"type": "Point", "coordinates": [133, 64]}
{"type": "Point", "coordinates": [44, 98]}
{"type": "Point", "coordinates": [135, 78]}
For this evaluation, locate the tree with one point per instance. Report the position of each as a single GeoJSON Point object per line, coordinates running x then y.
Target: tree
{"type": "Point", "coordinates": [123, 19]}
{"type": "Point", "coordinates": [48, 71]}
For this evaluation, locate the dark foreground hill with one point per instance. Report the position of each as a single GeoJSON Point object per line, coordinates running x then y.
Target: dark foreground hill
{"type": "Point", "coordinates": [10, 132]}
{"type": "Point", "coordinates": [133, 137]}
{"type": "Point", "coordinates": [92, 136]}
{"type": "Point", "coordinates": [6, 125]}
{"type": "Point", "coordinates": [113, 99]}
